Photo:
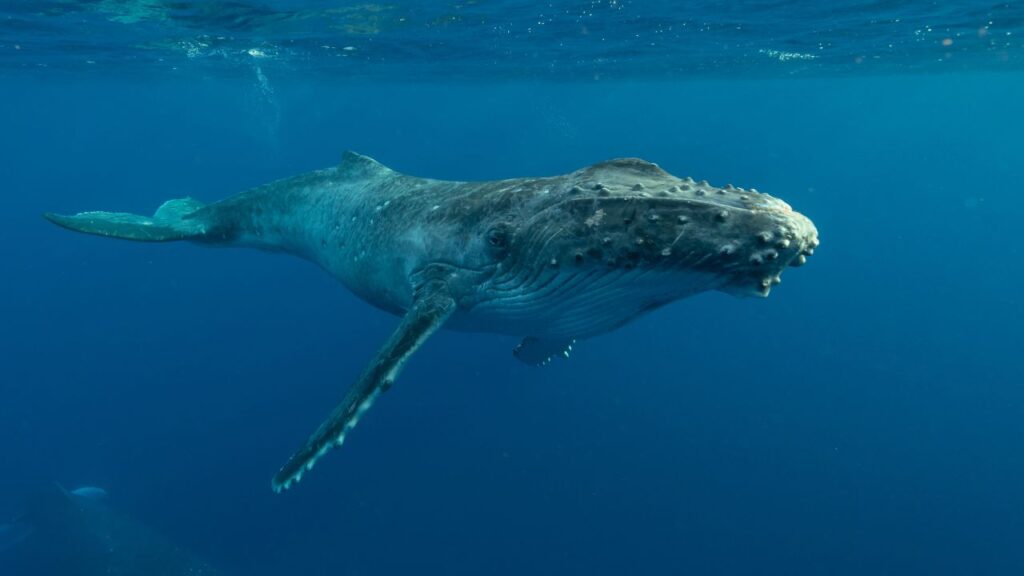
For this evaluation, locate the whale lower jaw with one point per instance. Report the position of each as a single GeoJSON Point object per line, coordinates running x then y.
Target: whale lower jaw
{"type": "Point", "coordinates": [583, 304]}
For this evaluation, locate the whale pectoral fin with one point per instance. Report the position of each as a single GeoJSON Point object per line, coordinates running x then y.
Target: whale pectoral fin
{"type": "Point", "coordinates": [432, 307]}
{"type": "Point", "coordinates": [540, 351]}
{"type": "Point", "coordinates": [174, 220]}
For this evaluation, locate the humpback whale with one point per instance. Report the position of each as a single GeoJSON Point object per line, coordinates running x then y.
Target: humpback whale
{"type": "Point", "coordinates": [550, 259]}
{"type": "Point", "coordinates": [76, 533]}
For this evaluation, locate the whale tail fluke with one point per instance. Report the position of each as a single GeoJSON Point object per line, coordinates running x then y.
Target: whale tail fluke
{"type": "Point", "coordinates": [174, 220]}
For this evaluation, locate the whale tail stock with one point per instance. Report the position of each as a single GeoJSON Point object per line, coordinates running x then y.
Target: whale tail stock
{"type": "Point", "coordinates": [175, 220]}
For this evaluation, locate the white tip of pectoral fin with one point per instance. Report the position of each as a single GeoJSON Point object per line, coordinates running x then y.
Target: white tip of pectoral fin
{"type": "Point", "coordinates": [330, 435]}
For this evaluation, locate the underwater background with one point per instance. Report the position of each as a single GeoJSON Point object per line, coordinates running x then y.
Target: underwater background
{"type": "Point", "coordinates": [867, 418]}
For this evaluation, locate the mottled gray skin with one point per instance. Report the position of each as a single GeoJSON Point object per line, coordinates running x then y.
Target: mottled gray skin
{"type": "Point", "coordinates": [550, 259]}
{"type": "Point", "coordinates": [525, 256]}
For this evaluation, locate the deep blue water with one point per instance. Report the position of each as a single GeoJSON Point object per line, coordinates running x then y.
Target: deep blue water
{"type": "Point", "coordinates": [867, 418]}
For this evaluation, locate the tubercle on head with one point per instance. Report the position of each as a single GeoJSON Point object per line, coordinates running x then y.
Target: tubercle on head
{"type": "Point", "coordinates": [624, 219]}
{"type": "Point", "coordinates": [629, 213]}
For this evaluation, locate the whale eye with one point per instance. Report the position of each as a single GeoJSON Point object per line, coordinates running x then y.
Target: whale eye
{"type": "Point", "coordinates": [498, 238]}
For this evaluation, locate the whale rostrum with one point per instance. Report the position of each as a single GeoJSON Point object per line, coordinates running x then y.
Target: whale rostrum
{"type": "Point", "coordinates": [554, 259]}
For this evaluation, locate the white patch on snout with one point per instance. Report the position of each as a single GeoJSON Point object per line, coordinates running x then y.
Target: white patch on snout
{"type": "Point", "coordinates": [595, 219]}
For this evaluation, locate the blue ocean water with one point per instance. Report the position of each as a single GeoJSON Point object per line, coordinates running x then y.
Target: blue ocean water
{"type": "Point", "coordinates": [866, 418]}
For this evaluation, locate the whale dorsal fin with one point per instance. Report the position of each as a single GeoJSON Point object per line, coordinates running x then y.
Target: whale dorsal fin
{"type": "Point", "coordinates": [356, 166]}
{"type": "Point", "coordinates": [635, 166]}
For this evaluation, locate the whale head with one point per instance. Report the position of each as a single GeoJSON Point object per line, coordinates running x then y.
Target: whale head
{"type": "Point", "coordinates": [622, 237]}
